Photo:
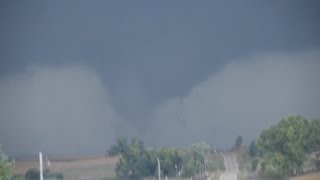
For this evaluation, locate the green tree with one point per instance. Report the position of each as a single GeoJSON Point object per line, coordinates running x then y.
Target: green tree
{"type": "Point", "coordinates": [272, 165]}
{"type": "Point", "coordinates": [238, 142]}
{"type": "Point", "coordinates": [283, 147]}
{"type": "Point", "coordinates": [121, 147]}
{"type": "Point", "coordinates": [254, 164]}
{"type": "Point", "coordinates": [134, 160]}
{"type": "Point", "coordinates": [5, 166]}
{"type": "Point", "coordinates": [32, 174]}
{"type": "Point", "coordinates": [169, 159]}
{"type": "Point", "coordinates": [189, 167]}
{"type": "Point", "coordinates": [202, 147]}
{"type": "Point", "coordinates": [253, 150]}
{"type": "Point", "coordinates": [192, 161]}
{"type": "Point", "coordinates": [314, 140]}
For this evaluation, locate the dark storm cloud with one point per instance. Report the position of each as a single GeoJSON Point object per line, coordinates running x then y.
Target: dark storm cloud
{"type": "Point", "coordinates": [146, 53]}
{"type": "Point", "coordinates": [58, 110]}
{"type": "Point", "coordinates": [142, 40]}
{"type": "Point", "coordinates": [242, 99]}
{"type": "Point", "coordinates": [68, 110]}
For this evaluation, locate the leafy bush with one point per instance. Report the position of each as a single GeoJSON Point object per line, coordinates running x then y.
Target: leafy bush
{"type": "Point", "coordinates": [16, 177]}
{"type": "Point", "coordinates": [34, 174]}
{"type": "Point", "coordinates": [5, 166]}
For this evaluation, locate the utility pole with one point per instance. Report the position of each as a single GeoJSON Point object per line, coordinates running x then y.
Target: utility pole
{"type": "Point", "coordinates": [176, 169]}
{"type": "Point", "coordinates": [40, 164]}
{"type": "Point", "coordinates": [205, 167]}
{"type": "Point", "coordinates": [159, 171]}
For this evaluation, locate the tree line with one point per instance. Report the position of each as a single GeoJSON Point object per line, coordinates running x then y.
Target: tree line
{"type": "Point", "coordinates": [136, 162]}
{"type": "Point", "coordinates": [284, 148]}
{"type": "Point", "coordinates": [6, 173]}
{"type": "Point", "coordinates": [280, 150]}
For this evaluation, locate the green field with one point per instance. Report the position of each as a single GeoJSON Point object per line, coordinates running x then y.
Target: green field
{"type": "Point", "coordinates": [95, 172]}
{"type": "Point", "coordinates": [310, 176]}
{"type": "Point", "coordinates": [215, 176]}
{"type": "Point", "coordinates": [216, 162]}
{"type": "Point", "coordinates": [244, 163]}
{"type": "Point", "coordinates": [103, 168]}
{"type": "Point", "coordinates": [94, 168]}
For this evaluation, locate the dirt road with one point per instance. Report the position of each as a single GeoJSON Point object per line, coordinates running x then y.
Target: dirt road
{"type": "Point", "coordinates": [231, 167]}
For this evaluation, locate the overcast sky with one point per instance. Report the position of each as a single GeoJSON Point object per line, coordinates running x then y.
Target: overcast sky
{"type": "Point", "coordinates": [75, 75]}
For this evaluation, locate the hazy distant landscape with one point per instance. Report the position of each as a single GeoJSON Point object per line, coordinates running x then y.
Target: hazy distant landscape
{"type": "Point", "coordinates": [289, 149]}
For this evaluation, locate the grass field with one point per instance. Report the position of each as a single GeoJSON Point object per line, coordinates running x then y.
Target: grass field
{"type": "Point", "coordinates": [215, 176]}
{"type": "Point", "coordinates": [105, 171]}
{"type": "Point", "coordinates": [100, 168]}
{"type": "Point", "coordinates": [216, 162]}
{"type": "Point", "coordinates": [244, 159]}
{"type": "Point", "coordinates": [244, 163]}
{"type": "Point", "coordinates": [95, 168]}
{"type": "Point", "coordinates": [311, 176]}
{"type": "Point", "coordinates": [244, 175]}
{"type": "Point", "coordinates": [215, 166]}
